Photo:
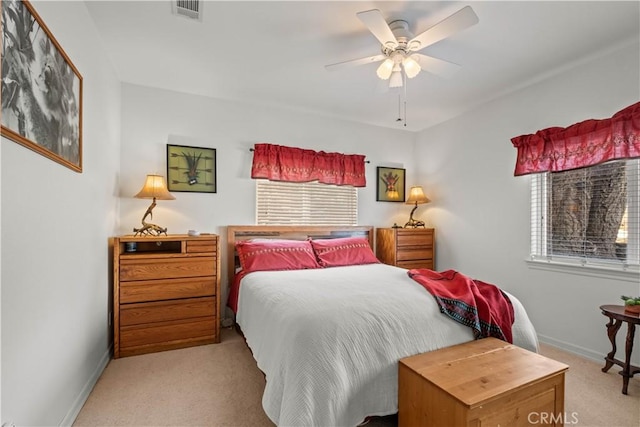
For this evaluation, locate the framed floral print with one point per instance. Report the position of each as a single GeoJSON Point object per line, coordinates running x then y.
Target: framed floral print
{"type": "Point", "coordinates": [191, 169]}
{"type": "Point", "coordinates": [390, 184]}
{"type": "Point", "coordinates": [41, 88]}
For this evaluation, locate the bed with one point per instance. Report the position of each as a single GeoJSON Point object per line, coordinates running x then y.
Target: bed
{"type": "Point", "coordinates": [328, 339]}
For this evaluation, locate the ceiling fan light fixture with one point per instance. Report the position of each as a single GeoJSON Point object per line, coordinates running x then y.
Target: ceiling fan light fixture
{"type": "Point", "coordinates": [396, 79]}
{"type": "Point", "coordinates": [411, 66]}
{"type": "Point", "coordinates": [385, 69]}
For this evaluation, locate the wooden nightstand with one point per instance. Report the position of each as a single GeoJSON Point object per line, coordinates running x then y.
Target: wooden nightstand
{"type": "Point", "coordinates": [484, 382]}
{"type": "Point", "coordinates": [406, 247]}
{"type": "Point", "coordinates": [165, 293]}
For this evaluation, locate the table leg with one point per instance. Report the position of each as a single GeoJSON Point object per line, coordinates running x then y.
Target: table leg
{"type": "Point", "coordinates": [612, 330]}
{"type": "Point", "coordinates": [626, 371]}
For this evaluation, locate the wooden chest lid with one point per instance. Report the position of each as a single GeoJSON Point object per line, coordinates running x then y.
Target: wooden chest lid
{"type": "Point", "coordinates": [482, 370]}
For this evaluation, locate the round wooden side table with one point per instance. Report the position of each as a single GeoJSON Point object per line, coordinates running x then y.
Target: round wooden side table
{"type": "Point", "coordinates": [617, 316]}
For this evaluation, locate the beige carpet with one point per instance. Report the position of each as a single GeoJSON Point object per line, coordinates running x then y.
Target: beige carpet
{"type": "Point", "coordinates": [220, 385]}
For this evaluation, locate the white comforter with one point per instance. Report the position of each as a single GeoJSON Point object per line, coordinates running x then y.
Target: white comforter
{"type": "Point", "coordinates": [329, 340]}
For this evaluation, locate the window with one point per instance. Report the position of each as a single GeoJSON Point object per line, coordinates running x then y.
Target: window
{"type": "Point", "coordinates": [308, 203]}
{"type": "Point", "coordinates": [588, 216]}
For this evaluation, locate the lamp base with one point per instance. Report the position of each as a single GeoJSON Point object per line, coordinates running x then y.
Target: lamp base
{"type": "Point", "coordinates": [413, 223]}
{"type": "Point", "coordinates": [149, 229]}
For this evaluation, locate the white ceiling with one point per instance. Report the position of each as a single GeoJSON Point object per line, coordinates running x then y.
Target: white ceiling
{"type": "Point", "coordinates": [274, 53]}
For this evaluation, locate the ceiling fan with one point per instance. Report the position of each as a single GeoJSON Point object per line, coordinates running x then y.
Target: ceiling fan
{"type": "Point", "coordinates": [399, 46]}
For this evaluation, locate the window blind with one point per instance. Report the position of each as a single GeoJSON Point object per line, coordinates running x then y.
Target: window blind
{"type": "Point", "coordinates": [588, 216]}
{"type": "Point", "coordinates": [309, 203]}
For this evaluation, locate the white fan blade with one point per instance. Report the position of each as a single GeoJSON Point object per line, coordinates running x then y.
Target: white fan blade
{"type": "Point", "coordinates": [374, 21]}
{"type": "Point", "coordinates": [462, 19]}
{"type": "Point", "coordinates": [354, 62]}
{"type": "Point", "coordinates": [436, 66]}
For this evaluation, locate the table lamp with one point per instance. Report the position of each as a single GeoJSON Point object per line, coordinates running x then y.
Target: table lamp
{"type": "Point", "coordinates": [154, 188]}
{"type": "Point", "coordinates": [416, 195]}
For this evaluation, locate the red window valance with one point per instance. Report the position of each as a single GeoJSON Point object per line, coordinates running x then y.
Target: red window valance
{"type": "Point", "coordinates": [280, 163]}
{"type": "Point", "coordinates": [583, 144]}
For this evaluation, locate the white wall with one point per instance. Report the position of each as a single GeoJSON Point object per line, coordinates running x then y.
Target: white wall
{"type": "Point", "coordinates": [55, 229]}
{"type": "Point", "coordinates": [151, 118]}
{"type": "Point", "coordinates": [481, 211]}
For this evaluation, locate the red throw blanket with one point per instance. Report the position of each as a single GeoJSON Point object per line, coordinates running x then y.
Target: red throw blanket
{"type": "Point", "coordinates": [481, 306]}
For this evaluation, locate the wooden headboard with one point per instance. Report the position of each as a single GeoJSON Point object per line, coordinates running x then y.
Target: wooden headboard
{"type": "Point", "coordinates": [237, 233]}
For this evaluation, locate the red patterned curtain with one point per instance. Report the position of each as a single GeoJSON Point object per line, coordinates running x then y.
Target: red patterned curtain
{"type": "Point", "coordinates": [279, 163]}
{"type": "Point", "coordinates": [583, 144]}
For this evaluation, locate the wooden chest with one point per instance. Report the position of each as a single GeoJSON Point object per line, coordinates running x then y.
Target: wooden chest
{"type": "Point", "coordinates": [487, 382]}
{"type": "Point", "coordinates": [166, 293]}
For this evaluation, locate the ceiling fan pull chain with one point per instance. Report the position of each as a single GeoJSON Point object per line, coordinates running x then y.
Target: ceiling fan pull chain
{"type": "Point", "coordinates": [405, 113]}
{"type": "Point", "coordinates": [405, 102]}
{"type": "Point", "coordinates": [401, 102]}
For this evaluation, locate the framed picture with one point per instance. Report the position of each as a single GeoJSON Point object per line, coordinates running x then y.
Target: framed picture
{"type": "Point", "coordinates": [390, 184]}
{"type": "Point", "coordinates": [41, 88]}
{"type": "Point", "coordinates": [191, 169]}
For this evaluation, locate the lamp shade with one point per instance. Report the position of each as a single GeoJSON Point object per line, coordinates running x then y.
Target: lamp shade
{"type": "Point", "coordinates": [416, 195]}
{"type": "Point", "coordinates": [155, 187]}
{"type": "Point", "coordinates": [411, 66]}
{"type": "Point", "coordinates": [385, 69]}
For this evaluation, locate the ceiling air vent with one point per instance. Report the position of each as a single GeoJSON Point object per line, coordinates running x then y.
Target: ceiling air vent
{"type": "Point", "coordinates": [189, 8]}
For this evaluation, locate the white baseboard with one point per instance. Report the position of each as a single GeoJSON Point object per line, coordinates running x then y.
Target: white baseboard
{"type": "Point", "coordinates": [86, 390]}
{"type": "Point", "coordinates": [580, 351]}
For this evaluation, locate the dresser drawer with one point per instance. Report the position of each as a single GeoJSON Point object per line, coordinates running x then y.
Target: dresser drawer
{"type": "Point", "coordinates": [166, 268]}
{"type": "Point", "coordinates": [197, 246]}
{"type": "Point", "coordinates": [414, 254]}
{"type": "Point", "coordinates": [421, 263]}
{"type": "Point", "coordinates": [156, 290]}
{"type": "Point", "coordinates": [166, 333]}
{"type": "Point", "coordinates": [415, 238]}
{"type": "Point", "coordinates": [162, 311]}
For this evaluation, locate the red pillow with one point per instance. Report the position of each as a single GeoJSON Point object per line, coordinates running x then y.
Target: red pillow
{"type": "Point", "coordinates": [266, 255]}
{"type": "Point", "coordinates": [343, 251]}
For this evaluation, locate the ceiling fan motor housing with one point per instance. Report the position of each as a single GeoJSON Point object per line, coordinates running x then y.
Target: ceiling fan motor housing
{"type": "Point", "coordinates": [400, 29]}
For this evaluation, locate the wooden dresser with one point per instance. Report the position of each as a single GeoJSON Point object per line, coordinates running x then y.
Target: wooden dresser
{"type": "Point", "coordinates": [165, 293]}
{"type": "Point", "coordinates": [487, 382]}
{"type": "Point", "coordinates": [406, 247]}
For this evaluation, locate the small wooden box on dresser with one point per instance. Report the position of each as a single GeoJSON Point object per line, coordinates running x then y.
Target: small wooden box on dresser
{"type": "Point", "coordinates": [165, 292]}
{"type": "Point", "coordinates": [406, 247]}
